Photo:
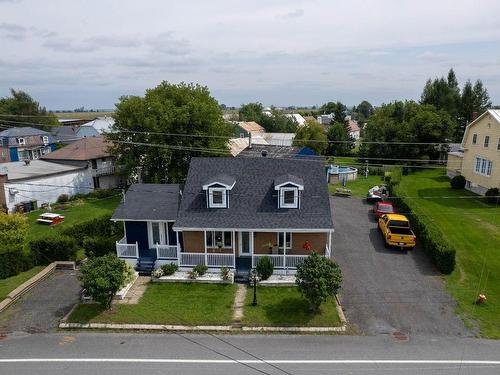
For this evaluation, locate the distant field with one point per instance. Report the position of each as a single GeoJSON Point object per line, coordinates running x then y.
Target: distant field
{"type": "Point", "coordinates": [83, 115]}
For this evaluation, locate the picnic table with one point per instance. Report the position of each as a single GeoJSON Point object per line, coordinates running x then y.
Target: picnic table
{"type": "Point", "coordinates": [343, 192]}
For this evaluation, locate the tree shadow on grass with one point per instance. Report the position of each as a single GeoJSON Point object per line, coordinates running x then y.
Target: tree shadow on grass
{"type": "Point", "coordinates": [451, 198]}
{"type": "Point", "coordinates": [293, 311]}
{"type": "Point", "coordinates": [84, 313]}
{"type": "Point", "coordinates": [441, 178]}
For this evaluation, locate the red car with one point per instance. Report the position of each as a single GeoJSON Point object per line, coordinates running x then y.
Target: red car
{"type": "Point", "coordinates": [382, 208]}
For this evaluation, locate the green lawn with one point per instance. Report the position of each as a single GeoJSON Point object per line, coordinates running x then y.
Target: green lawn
{"type": "Point", "coordinates": [74, 212]}
{"type": "Point", "coordinates": [9, 284]}
{"type": "Point", "coordinates": [359, 186]}
{"type": "Point", "coordinates": [285, 306]}
{"type": "Point", "coordinates": [165, 303]}
{"type": "Point", "coordinates": [473, 228]}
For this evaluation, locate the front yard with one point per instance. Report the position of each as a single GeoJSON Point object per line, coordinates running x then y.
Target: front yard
{"type": "Point", "coordinates": [359, 187]}
{"type": "Point", "coordinates": [472, 227]}
{"type": "Point", "coordinates": [285, 306]}
{"type": "Point", "coordinates": [176, 303]}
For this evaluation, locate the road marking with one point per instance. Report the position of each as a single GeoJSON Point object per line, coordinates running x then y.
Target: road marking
{"type": "Point", "coordinates": [251, 361]}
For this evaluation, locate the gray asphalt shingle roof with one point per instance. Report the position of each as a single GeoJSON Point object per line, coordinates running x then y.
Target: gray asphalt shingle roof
{"type": "Point", "coordinates": [288, 178]}
{"type": "Point", "coordinates": [13, 133]}
{"type": "Point", "coordinates": [253, 202]}
{"type": "Point", "coordinates": [149, 202]}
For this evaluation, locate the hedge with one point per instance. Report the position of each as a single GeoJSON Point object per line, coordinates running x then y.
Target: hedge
{"type": "Point", "coordinates": [99, 246]}
{"type": "Point", "coordinates": [48, 249]}
{"type": "Point", "coordinates": [431, 239]}
{"type": "Point", "coordinates": [101, 226]}
{"type": "Point", "coordinates": [14, 262]}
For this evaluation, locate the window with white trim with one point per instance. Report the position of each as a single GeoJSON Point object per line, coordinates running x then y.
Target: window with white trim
{"type": "Point", "coordinates": [219, 239]}
{"type": "Point", "coordinates": [21, 141]}
{"type": "Point", "coordinates": [474, 139]}
{"type": "Point", "coordinates": [486, 141]}
{"type": "Point", "coordinates": [483, 166]}
{"type": "Point", "coordinates": [289, 197]}
{"type": "Point", "coordinates": [217, 198]}
{"type": "Point", "coordinates": [45, 140]}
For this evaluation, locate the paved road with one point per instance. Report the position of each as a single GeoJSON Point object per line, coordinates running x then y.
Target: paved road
{"type": "Point", "coordinates": [42, 307]}
{"type": "Point", "coordinates": [387, 290]}
{"type": "Point", "coordinates": [64, 353]}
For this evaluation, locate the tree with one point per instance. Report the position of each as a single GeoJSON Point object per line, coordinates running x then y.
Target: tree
{"type": "Point", "coordinates": [13, 231]}
{"type": "Point", "coordinates": [21, 108]}
{"type": "Point", "coordinates": [341, 142]}
{"type": "Point", "coordinates": [363, 111]}
{"type": "Point", "coordinates": [251, 112]}
{"type": "Point", "coordinates": [158, 118]}
{"type": "Point", "coordinates": [443, 94]}
{"type": "Point", "coordinates": [338, 110]}
{"type": "Point", "coordinates": [274, 122]}
{"type": "Point", "coordinates": [102, 277]}
{"type": "Point", "coordinates": [318, 278]}
{"type": "Point", "coordinates": [311, 135]}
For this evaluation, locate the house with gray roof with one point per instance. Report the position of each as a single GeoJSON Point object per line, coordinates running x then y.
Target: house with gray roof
{"type": "Point", "coordinates": [231, 212]}
{"type": "Point", "coordinates": [24, 143]}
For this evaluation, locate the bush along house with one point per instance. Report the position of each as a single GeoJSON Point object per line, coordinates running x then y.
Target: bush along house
{"type": "Point", "coordinates": [230, 213]}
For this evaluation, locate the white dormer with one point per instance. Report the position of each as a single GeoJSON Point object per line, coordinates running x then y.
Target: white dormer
{"type": "Point", "coordinates": [217, 191]}
{"type": "Point", "coordinates": [45, 140]}
{"type": "Point", "coordinates": [289, 188]}
{"type": "Point", "coordinates": [21, 141]}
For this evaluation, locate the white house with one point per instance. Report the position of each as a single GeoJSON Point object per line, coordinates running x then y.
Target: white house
{"type": "Point", "coordinates": [41, 181]}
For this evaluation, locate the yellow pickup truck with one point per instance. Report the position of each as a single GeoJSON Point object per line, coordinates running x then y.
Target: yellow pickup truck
{"type": "Point", "coordinates": [396, 231]}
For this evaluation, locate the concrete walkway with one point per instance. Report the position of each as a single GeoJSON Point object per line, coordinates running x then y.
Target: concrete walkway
{"type": "Point", "coordinates": [239, 304]}
{"type": "Point", "coordinates": [136, 291]}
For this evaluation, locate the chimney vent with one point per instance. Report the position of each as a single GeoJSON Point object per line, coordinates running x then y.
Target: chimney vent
{"type": "Point", "coordinates": [474, 115]}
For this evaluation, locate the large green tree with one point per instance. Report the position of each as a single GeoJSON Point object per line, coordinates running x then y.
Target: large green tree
{"type": "Point", "coordinates": [20, 109]}
{"type": "Point", "coordinates": [406, 122]}
{"type": "Point", "coordinates": [362, 111]}
{"type": "Point", "coordinates": [274, 122]}
{"type": "Point", "coordinates": [340, 141]}
{"type": "Point", "coordinates": [158, 133]}
{"type": "Point", "coordinates": [13, 230]}
{"type": "Point", "coordinates": [338, 109]}
{"type": "Point", "coordinates": [311, 135]}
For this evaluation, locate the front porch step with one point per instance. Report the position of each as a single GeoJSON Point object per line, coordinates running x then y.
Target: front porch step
{"type": "Point", "coordinates": [242, 276]}
{"type": "Point", "coordinates": [145, 266]}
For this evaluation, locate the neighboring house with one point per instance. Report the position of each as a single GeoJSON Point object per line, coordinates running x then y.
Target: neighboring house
{"type": "Point", "coordinates": [230, 213]}
{"type": "Point", "coordinates": [244, 128]}
{"type": "Point", "coordinates": [480, 161]}
{"type": "Point", "coordinates": [236, 145]}
{"type": "Point", "coordinates": [297, 117]}
{"type": "Point", "coordinates": [72, 121]}
{"type": "Point", "coordinates": [279, 139]}
{"type": "Point", "coordinates": [354, 129]}
{"type": "Point", "coordinates": [102, 124]}
{"type": "Point", "coordinates": [24, 144]}
{"type": "Point", "coordinates": [71, 133]}
{"type": "Point", "coordinates": [40, 181]}
{"type": "Point", "coordinates": [325, 119]}
{"type": "Point", "coordinates": [273, 151]}
{"type": "Point", "coordinates": [93, 151]}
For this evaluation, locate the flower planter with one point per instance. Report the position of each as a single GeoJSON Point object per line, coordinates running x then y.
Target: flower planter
{"type": "Point", "coordinates": [182, 277]}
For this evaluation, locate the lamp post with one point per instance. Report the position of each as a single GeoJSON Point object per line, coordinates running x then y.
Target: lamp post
{"type": "Point", "coordinates": [254, 280]}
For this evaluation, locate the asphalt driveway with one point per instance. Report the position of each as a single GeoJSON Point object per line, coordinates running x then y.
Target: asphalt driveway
{"type": "Point", "coordinates": [387, 290]}
{"type": "Point", "coordinates": [42, 307]}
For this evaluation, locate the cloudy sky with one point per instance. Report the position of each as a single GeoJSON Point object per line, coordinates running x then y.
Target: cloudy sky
{"type": "Point", "coordinates": [282, 52]}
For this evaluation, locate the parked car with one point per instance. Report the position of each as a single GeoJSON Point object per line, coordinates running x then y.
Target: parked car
{"type": "Point", "coordinates": [396, 231]}
{"type": "Point", "coordinates": [377, 193]}
{"type": "Point", "coordinates": [381, 208]}
{"type": "Point", "coordinates": [49, 218]}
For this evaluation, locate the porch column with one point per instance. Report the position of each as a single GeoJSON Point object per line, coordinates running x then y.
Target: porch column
{"type": "Point", "coordinates": [205, 244]}
{"type": "Point", "coordinates": [234, 248]}
{"type": "Point", "coordinates": [178, 248]}
{"type": "Point", "coordinates": [330, 243]}
{"type": "Point", "coordinates": [284, 252]}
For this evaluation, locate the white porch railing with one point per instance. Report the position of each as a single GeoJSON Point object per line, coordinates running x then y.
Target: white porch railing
{"type": "Point", "coordinates": [192, 259]}
{"type": "Point", "coordinates": [220, 260]}
{"type": "Point", "coordinates": [166, 251]}
{"type": "Point", "coordinates": [292, 261]}
{"type": "Point", "coordinates": [127, 250]}
{"type": "Point", "coordinates": [103, 171]}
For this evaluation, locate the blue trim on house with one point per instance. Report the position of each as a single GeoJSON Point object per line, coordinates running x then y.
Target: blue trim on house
{"type": "Point", "coordinates": [52, 147]}
{"type": "Point", "coordinates": [13, 154]}
{"type": "Point", "coordinates": [137, 231]}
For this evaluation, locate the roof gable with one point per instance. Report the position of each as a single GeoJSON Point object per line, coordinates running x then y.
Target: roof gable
{"type": "Point", "coordinates": [494, 113]}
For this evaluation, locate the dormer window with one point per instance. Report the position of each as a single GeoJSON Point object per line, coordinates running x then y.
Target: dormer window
{"type": "Point", "coordinates": [21, 141]}
{"type": "Point", "coordinates": [288, 187]}
{"type": "Point", "coordinates": [217, 191]}
{"type": "Point", "coordinates": [45, 140]}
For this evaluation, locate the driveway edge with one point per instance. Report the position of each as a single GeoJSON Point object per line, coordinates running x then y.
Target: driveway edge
{"type": "Point", "coordinates": [26, 286]}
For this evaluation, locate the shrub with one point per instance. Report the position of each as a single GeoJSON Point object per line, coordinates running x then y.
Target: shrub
{"type": "Point", "coordinates": [101, 193]}
{"type": "Point", "coordinates": [14, 262]}
{"type": "Point", "coordinates": [102, 277]}
{"type": "Point", "coordinates": [264, 268]}
{"type": "Point", "coordinates": [192, 275]}
{"type": "Point", "coordinates": [458, 182]}
{"type": "Point", "coordinates": [63, 198]}
{"type": "Point", "coordinates": [99, 226]}
{"type": "Point", "coordinates": [99, 246]}
{"type": "Point", "coordinates": [169, 269]}
{"type": "Point", "coordinates": [48, 249]}
{"type": "Point", "coordinates": [200, 269]}
{"type": "Point", "coordinates": [492, 196]}
{"type": "Point", "coordinates": [157, 273]}
{"type": "Point", "coordinates": [318, 278]}
{"type": "Point", "coordinates": [225, 273]}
